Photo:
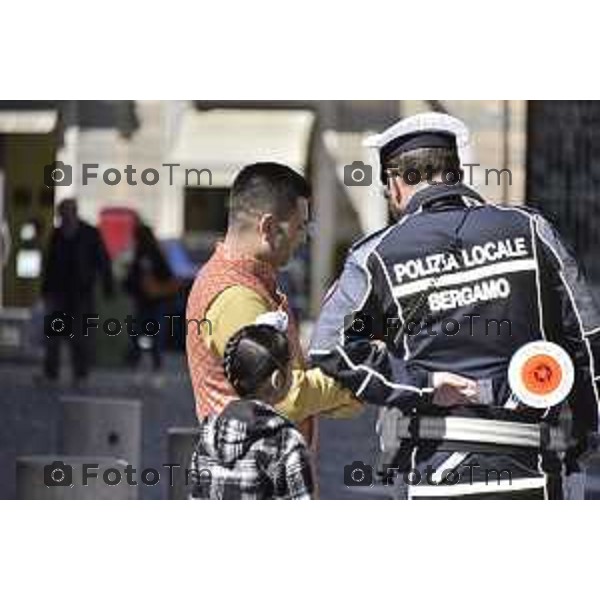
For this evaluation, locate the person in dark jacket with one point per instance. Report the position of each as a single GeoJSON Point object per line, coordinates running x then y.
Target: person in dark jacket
{"type": "Point", "coordinates": [428, 313]}
{"type": "Point", "coordinates": [75, 259]}
{"type": "Point", "coordinates": [250, 451]}
{"type": "Point", "coordinates": [149, 281]}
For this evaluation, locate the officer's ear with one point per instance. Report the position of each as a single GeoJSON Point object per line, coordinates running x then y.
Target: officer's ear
{"type": "Point", "coordinates": [395, 196]}
{"type": "Point", "coordinates": [393, 187]}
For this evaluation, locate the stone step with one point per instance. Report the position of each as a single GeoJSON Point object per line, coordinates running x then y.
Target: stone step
{"type": "Point", "coordinates": [61, 477]}
{"type": "Point", "coordinates": [101, 427]}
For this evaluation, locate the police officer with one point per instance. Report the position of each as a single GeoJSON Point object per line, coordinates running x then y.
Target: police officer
{"type": "Point", "coordinates": [427, 314]}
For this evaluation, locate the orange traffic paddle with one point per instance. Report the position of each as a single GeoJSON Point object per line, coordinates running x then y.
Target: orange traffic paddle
{"type": "Point", "coordinates": [541, 374]}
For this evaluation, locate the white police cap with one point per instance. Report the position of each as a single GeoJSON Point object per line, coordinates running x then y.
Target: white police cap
{"type": "Point", "coordinates": [420, 125]}
{"type": "Point", "coordinates": [423, 130]}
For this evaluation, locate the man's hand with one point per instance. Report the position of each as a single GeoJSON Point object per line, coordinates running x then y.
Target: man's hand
{"type": "Point", "coordinates": [453, 390]}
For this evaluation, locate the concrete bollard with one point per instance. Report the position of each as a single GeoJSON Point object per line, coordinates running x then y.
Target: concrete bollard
{"type": "Point", "coordinates": [101, 427]}
{"type": "Point", "coordinates": [57, 477]}
{"type": "Point", "coordinates": [181, 441]}
{"type": "Point", "coordinates": [15, 335]}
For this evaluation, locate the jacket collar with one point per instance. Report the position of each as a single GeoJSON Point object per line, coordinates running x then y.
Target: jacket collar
{"type": "Point", "coordinates": [442, 194]}
{"type": "Point", "coordinates": [260, 269]}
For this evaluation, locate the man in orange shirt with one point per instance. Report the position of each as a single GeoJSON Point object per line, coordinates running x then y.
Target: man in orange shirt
{"type": "Point", "coordinates": [268, 221]}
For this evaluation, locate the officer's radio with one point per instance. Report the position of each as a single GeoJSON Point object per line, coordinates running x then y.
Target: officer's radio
{"type": "Point", "coordinates": [541, 374]}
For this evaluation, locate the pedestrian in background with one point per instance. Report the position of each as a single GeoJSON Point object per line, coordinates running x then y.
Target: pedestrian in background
{"type": "Point", "coordinates": [75, 259]}
{"type": "Point", "coordinates": [149, 281]}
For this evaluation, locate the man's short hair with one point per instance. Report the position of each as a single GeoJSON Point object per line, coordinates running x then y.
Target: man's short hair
{"type": "Point", "coordinates": [266, 187]}
{"type": "Point", "coordinates": [428, 161]}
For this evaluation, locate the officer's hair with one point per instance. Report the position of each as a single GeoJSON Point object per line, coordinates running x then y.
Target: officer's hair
{"type": "Point", "coordinates": [426, 160]}
{"type": "Point", "coordinates": [251, 356]}
{"type": "Point", "coordinates": [265, 187]}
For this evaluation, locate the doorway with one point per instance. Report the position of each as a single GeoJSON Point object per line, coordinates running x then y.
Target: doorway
{"type": "Point", "coordinates": [28, 213]}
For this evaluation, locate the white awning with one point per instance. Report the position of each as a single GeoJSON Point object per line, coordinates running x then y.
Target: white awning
{"type": "Point", "coordinates": [28, 121]}
{"type": "Point", "coordinates": [224, 140]}
{"type": "Point", "coordinates": [368, 200]}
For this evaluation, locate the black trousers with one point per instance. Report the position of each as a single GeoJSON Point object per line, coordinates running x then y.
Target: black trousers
{"type": "Point", "coordinates": [80, 346]}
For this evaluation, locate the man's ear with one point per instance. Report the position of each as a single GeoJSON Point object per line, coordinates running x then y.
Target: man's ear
{"type": "Point", "coordinates": [267, 226]}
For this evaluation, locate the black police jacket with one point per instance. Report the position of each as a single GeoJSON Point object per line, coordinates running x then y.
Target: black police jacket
{"type": "Point", "coordinates": [456, 285]}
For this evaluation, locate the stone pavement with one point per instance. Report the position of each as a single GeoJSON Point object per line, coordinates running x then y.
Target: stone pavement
{"type": "Point", "coordinates": [29, 423]}
{"type": "Point", "coordinates": [30, 414]}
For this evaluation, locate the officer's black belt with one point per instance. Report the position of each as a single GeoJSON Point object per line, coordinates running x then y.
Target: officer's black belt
{"type": "Point", "coordinates": [481, 431]}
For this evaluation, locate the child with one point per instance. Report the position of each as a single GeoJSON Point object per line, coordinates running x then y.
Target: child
{"type": "Point", "coordinates": [250, 451]}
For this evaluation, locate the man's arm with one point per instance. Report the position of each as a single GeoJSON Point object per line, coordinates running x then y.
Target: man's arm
{"type": "Point", "coordinates": [362, 360]}
{"type": "Point", "coordinates": [312, 391]}
{"type": "Point", "coordinates": [354, 358]}
{"type": "Point", "coordinates": [315, 393]}
{"type": "Point", "coordinates": [232, 309]}
{"type": "Point", "coordinates": [572, 320]}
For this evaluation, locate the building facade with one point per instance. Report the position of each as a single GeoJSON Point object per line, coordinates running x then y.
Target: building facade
{"type": "Point", "coordinates": [174, 161]}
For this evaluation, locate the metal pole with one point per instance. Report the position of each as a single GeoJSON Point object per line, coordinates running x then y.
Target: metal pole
{"type": "Point", "coordinates": [4, 238]}
{"type": "Point", "coordinates": [505, 148]}
{"type": "Point", "coordinates": [325, 182]}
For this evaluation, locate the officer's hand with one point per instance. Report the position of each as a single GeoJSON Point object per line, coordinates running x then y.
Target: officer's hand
{"type": "Point", "coordinates": [453, 390]}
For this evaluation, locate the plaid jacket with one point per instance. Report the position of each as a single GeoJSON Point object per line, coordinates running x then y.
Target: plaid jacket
{"type": "Point", "coordinates": [250, 452]}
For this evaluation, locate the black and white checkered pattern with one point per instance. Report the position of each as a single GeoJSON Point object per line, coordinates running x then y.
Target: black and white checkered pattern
{"type": "Point", "coordinates": [250, 452]}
